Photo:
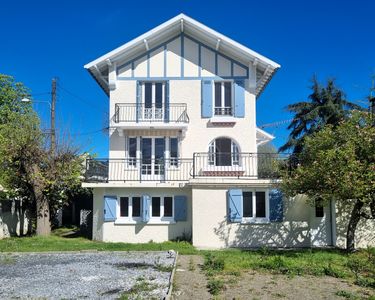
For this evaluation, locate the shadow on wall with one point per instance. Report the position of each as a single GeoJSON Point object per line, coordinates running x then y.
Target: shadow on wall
{"type": "Point", "coordinates": [14, 219]}
{"type": "Point", "coordinates": [294, 233]}
{"type": "Point", "coordinates": [365, 233]}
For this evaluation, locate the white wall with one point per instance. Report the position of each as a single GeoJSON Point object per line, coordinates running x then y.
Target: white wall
{"type": "Point", "coordinates": [141, 232]}
{"type": "Point", "coordinates": [13, 222]}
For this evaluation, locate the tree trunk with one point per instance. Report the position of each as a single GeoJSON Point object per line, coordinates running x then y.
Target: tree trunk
{"type": "Point", "coordinates": [352, 226]}
{"type": "Point", "coordinates": [43, 224]}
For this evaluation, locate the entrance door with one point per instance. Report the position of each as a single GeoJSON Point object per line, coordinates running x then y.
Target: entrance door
{"type": "Point", "coordinates": [153, 101]}
{"type": "Point", "coordinates": [153, 163]}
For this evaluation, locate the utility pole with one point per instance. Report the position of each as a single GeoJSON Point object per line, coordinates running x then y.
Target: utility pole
{"type": "Point", "coordinates": [53, 107]}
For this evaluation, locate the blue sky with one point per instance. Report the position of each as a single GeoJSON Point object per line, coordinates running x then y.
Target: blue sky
{"type": "Point", "coordinates": [43, 39]}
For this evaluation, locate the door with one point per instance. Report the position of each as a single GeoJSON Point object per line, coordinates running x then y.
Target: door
{"type": "Point", "coordinates": [320, 226]}
{"type": "Point", "coordinates": [153, 163]}
{"type": "Point", "coordinates": [154, 101]}
{"type": "Point", "coordinates": [223, 150]}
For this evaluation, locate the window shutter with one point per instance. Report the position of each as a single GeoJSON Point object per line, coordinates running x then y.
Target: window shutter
{"type": "Point", "coordinates": [239, 98]}
{"type": "Point", "coordinates": [235, 205]}
{"type": "Point", "coordinates": [180, 208]}
{"type": "Point", "coordinates": [146, 207]}
{"type": "Point", "coordinates": [276, 205]}
{"type": "Point", "coordinates": [166, 104]}
{"type": "Point", "coordinates": [207, 99]}
{"type": "Point", "coordinates": [110, 205]}
{"type": "Point", "coordinates": [138, 111]}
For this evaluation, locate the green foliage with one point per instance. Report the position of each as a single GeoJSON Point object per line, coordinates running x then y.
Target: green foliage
{"type": "Point", "coordinates": [215, 286]}
{"type": "Point", "coordinates": [338, 163]}
{"type": "Point", "coordinates": [347, 295]}
{"type": "Point", "coordinates": [28, 171]}
{"type": "Point", "coordinates": [326, 105]}
{"type": "Point", "coordinates": [213, 263]}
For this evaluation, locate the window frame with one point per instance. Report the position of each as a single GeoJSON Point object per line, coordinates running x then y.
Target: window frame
{"type": "Point", "coordinates": [254, 219]}
{"type": "Point", "coordinates": [162, 218]}
{"type": "Point", "coordinates": [223, 81]}
{"type": "Point", "coordinates": [235, 152]}
{"type": "Point", "coordinates": [130, 218]}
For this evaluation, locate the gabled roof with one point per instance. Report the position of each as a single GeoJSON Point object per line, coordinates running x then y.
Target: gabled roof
{"type": "Point", "coordinates": [265, 67]}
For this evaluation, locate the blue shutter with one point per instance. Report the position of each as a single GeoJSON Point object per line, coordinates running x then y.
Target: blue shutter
{"type": "Point", "coordinates": [146, 208]}
{"type": "Point", "coordinates": [239, 98]}
{"type": "Point", "coordinates": [276, 205]}
{"type": "Point", "coordinates": [207, 99]}
{"type": "Point", "coordinates": [110, 205]}
{"type": "Point", "coordinates": [166, 104]}
{"type": "Point", "coordinates": [180, 208]}
{"type": "Point", "coordinates": [235, 205]}
{"type": "Point", "coordinates": [138, 110]}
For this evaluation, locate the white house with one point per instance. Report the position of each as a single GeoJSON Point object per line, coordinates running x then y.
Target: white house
{"type": "Point", "coordinates": [183, 159]}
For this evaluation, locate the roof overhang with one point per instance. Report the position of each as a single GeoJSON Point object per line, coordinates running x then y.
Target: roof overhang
{"type": "Point", "coordinates": [263, 137]}
{"type": "Point", "coordinates": [182, 23]}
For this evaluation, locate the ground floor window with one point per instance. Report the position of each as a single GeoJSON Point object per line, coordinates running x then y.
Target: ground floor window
{"type": "Point", "coordinates": [162, 207]}
{"type": "Point", "coordinates": [130, 207]}
{"type": "Point", "coordinates": [255, 206]}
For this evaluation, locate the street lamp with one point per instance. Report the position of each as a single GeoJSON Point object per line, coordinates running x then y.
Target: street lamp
{"type": "Point", "coordinates": [27, 100]}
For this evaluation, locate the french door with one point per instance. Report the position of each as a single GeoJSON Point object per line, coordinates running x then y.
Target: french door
{"type": "Point", "coordinates": [153, 162]}
{"type": "Point", "coordinates": [154, 101]}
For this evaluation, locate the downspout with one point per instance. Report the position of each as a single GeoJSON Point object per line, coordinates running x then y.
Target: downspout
{"type": "Point", "coordinates": [333, 222]}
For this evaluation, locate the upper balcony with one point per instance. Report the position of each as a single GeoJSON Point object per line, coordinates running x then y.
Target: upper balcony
{"type": "Point", "coordinates": [141, 115]}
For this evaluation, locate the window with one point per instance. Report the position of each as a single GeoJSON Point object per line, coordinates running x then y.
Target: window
{"type": "Point", "coordinates": [173, 149]}
{"type": "Point", "coordinates": [124, 207]}
{"type": "Point", "coordinates": [136, 206]}
{"type": "Point", "coordinates": [223, 98]}
{"type": "Point", "coordinates": [168, 206]}
{"type": "Point", "coordinates": [153, 95]}
{"type": "Point", "coordinates": [247, 204]}
{"type": "Point", "coordinates": [319, 209]}
{"type": "Point", "coordinates": [155, 207]}
{"type": "Point", "coordinates": [223, 152]}
{"type": "Point", "coordinates": [255, 206]}
{"type": "Point", "coordinates": [132, 150]}
{"type": "Point", "coordinates": [130, 207]}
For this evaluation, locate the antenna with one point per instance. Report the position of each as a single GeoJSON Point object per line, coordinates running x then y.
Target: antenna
{"type": "Point", "coordinates": [275, 124]}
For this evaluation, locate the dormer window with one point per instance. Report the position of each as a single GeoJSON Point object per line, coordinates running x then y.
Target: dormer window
{"type": "Point", "coordinates": [223, 105]}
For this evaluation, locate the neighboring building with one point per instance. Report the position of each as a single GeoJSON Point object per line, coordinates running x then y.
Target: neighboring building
{"type": "Point", "coordinates": [183, 159]}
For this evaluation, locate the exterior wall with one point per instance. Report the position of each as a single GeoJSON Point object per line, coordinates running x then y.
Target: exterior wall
{"type": "Point", "coordinates": [365, 233]}
{"type": "Point", "coordinates": [140, 232]}
{"type": "Point", "coordinates": [199, 133]}
{"type": "Point", "coordinates": [12, 221]}
{"type": "Point", "coordinates": [211, 228]}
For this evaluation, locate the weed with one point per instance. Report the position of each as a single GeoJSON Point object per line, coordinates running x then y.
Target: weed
{"type": "Point", "coordinates": [213, 264]}
{"type": "Point", "coordinates": [163, 268]}
{"type": "Point", "coordinates": [347, 295]}
{"type": "Point", "coordinates": [7, 260]}
{"type": "Point", "coordinates": [191, 264]}
{"type": "Point", "coordinates": [215, 286]}
{"type": "Point", "coordinates": [138, 289]}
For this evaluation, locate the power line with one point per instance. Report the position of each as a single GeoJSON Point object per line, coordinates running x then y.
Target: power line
{"type": "Point", "coordinates": [275, 124]}
{"type": "Point", "coordinates": [89, 132]}
{"type": "Point", "coordinates": [90, 103]}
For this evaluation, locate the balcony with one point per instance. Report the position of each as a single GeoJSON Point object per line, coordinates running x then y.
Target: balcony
{"type": "Point", "coordinates": [146, 115]}
{"type": "Point", "coordinates": [203, 165]}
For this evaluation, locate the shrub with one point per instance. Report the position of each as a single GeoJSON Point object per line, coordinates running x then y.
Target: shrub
{"type": "Point", "coordinates": [215, 286]}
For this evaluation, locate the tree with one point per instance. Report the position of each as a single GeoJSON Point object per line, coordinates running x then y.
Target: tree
{"type": "Point", "coordinates": [27, 169]}
{"type": "Point", "coordinates": [325, 105]}
{"type": "Point", "coordinates": [339, 163]}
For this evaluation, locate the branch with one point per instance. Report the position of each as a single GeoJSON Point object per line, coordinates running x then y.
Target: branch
{"type": "Point", "coordinates": [367, 216]}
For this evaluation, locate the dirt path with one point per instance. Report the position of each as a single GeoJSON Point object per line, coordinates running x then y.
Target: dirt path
{"type": "Point", "coordinates": [190, 283]}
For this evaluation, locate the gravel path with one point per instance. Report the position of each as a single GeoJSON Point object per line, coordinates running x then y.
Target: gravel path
{"type": "Point", "coordinates": [101, 275]}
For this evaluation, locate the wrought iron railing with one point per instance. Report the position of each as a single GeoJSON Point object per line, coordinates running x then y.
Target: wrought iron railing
{"type": "Point", "coordinates": [239, 165]}
{"type": "Point", "coordinates": [228, 165]}
{"type": "Point", "coordinates": [223, 111]}
{"type": "Point", "coordinates": [141, 112]}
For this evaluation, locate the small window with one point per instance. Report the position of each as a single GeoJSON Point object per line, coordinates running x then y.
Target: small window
{"type": "Point", "coordinates": [168, 206]}
{"type": "Point", "coordinates": [155, 206]}
{"type": "Point", "coordinates": [260, 204]}
{"type": "Point", "coordinates": [132, 151]}
{"type": "Point", "coordinates": [124, 206]}
{"type": "Point", "coordinates": [174, 151]}
{"type": "Point", "coordinates": [136, 206]}
{"type": "Point", "coordinates": [247, 204]}
{"type": "Point", "coordinates": [223, 98]}
{"type": "Point", "coordinates": [319, 209]}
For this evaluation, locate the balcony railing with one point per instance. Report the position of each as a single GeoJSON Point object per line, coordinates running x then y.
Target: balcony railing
{"type": "Point", "coordinates": [141, 112]}
{"type": "Point", "coordinates": [202, 165]}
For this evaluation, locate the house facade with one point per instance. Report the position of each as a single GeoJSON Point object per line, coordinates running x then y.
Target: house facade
{"type": "Point", "coordinates": [183, 147]}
